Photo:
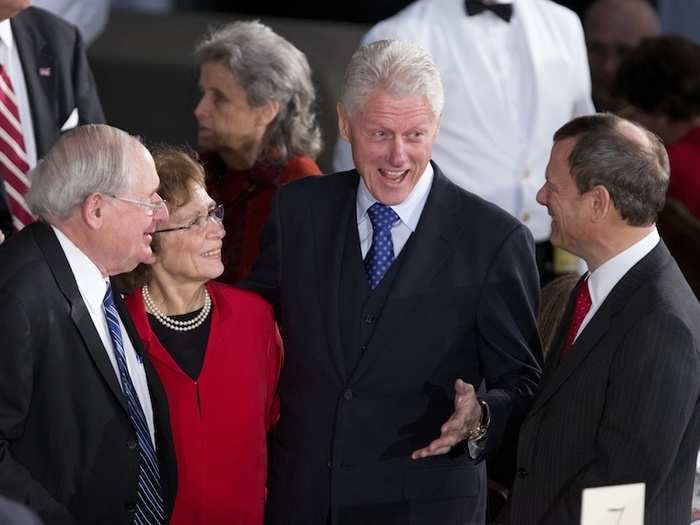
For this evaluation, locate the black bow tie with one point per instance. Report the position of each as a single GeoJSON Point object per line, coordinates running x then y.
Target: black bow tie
{"type": "Point", "coordinates": [503, 11]}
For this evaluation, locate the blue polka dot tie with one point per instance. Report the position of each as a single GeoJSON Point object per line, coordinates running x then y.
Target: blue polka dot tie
{"type": "Point", "coordinates": [381, 253]}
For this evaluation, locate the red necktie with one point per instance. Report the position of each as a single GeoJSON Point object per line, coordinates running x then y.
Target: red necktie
{"type": "Point", "coordinates": [581, 307]}
{"type": "Point", "coordinates": [13, 156]}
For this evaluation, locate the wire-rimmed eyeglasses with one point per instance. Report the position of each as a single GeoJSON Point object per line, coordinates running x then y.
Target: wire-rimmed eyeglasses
{"type": "Point", "coordinates": [216, 214]}
{"type": "Point", "coordinates": [151, 207]}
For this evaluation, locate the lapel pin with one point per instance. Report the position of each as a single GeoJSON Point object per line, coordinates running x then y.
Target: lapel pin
{"type": "Point", "coordinates": [44, 71]}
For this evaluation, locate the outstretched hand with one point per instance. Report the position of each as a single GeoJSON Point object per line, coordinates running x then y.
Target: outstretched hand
{"type": "Point", "coordinates": [465, 418]}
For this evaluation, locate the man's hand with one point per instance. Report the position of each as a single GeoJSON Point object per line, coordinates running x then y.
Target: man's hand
{"type": "Point", "coordinates": [2, 236]}
{"type": "Point", "coordinates": [464, 419]}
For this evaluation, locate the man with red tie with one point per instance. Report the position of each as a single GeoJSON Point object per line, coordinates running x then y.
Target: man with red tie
{"type": "Point", "coordinates": [46, 88]}
{"type": "Point", "coordinates": [619, 401]}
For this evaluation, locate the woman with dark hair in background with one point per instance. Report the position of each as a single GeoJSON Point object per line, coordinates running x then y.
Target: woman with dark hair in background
{"type": "Point", "coordinates": [216, 350]}
{"type": "Point", "coordinates": [257, 129]}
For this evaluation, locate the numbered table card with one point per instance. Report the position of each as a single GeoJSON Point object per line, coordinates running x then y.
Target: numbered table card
{"type": "Point", "coordinates": [613, 505]}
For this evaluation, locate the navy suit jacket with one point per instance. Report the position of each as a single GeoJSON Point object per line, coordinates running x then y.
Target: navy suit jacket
{"type": "Point", "coordinates": [462, 304]}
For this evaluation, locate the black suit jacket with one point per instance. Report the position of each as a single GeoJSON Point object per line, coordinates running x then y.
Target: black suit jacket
{"type": "Point", "coordinates": [622, 407]}
{"type": "Point", "coordinates": [462, 304]}
{"type": "Point", "coordinates": [48, 44]}
{"type": "Point", "coordinates": [67, 445]}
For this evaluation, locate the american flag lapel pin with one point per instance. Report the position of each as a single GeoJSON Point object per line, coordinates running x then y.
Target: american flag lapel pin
{"type": "Point", "coordinates": [44, 71]}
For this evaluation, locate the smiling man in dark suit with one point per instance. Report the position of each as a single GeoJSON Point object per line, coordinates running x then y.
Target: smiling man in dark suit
{"type": "Point", "coordinates": [398, 295]}
{"type": "Point", "coordinates": [619, 401]}
{"type": "Point", "coordinates": [84, 428]}
{"type": "Point", "coordinates": [47, 88]}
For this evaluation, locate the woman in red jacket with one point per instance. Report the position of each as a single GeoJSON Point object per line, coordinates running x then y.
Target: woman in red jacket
{"type": "Point", "coordinates": [257, 129]}
{"type": "Point", "coordinates": [216, 350]}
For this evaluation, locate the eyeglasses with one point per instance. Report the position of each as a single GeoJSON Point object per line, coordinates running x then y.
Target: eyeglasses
{"type": "Point", "coordinates": [216, 214]}
{"type": "Point", "coordinates": [151, 207]}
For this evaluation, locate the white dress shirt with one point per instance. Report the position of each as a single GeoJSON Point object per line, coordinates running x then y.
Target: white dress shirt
{"type": "Point", "coordinates": [508, 87]}
{"type": "Point", "coordinates": [409, 212]}
{"type": "Point", "coordinates": [9, 58]}
{"type": "Point", "coordinates": [607, 275]}
{"type": "Point", "coordinates": [93, 287]}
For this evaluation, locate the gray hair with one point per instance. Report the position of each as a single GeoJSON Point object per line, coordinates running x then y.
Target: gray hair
{"type": "Point", "coordinates": [88, 159]}
{"type": "Point", "coordinates": [396, 67]}
{"type": "Point", "coordinates": [269, 68]}
{"type": "Point", "coordinates": [635, 174]}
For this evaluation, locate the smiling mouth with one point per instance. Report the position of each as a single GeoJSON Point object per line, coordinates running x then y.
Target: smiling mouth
{"type": "Point", "coordinates": [393, 176]}
{"type": "Point", "coordinates": [212, 253]}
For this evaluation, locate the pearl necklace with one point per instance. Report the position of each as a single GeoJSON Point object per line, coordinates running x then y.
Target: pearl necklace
{"type": "Point", "coordinates": [174, 324]}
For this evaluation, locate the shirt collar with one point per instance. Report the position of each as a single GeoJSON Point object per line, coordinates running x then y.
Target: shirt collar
{"type": "Point", "coordinates": [6, 34]}
{"type": "Point", "coordinates": [607, 275]}
{"type": "Point", "coordinates": [91, 283]}
{"type": "Point", "coordinates": [409, 211]}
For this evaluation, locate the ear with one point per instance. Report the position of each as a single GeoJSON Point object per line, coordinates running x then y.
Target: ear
{"type": "Point", "coordinates": [343, 121]}
{"type": "Point", "coordinates": [267, 113]}
{"type": "Point", "coordinates": [601, 203]}
{"type": "Point", "coordinates": [92, 210]}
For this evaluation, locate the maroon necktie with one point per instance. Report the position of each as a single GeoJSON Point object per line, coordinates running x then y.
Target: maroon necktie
{"type": "Point", "coordinates": [13, 155]}
{"type": "Point", "coordinates": [581, 307]}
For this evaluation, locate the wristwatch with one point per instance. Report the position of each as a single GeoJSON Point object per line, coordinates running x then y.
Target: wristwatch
{"type": "Point", "coordinates": [479, 432]}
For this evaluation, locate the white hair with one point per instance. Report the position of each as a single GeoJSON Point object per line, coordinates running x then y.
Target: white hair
{"type": "Point", "coordinates": [398, 68]}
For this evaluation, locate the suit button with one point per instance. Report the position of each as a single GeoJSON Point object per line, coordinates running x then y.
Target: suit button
{"type": "Point", "coordinates": [131, 444]}
{"type": "Point", "coordinates": [369, 319]}
{"type": "Point", "coordinates": [330, 464]}
{"type": "Point", "coordinates": [363, 348]}
{"type": "Point", "coordinates": [522, 473]}
{"type": "Point", "coordinates": [347, 395]}
{"type": "Point", "coordinates": [130, 508]}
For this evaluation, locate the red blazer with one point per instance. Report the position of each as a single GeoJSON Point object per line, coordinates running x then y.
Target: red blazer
{"type": "Point", "coordinates": [220, 421]}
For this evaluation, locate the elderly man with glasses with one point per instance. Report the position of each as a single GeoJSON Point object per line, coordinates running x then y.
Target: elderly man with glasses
{"type": "Point", "coordinates": [84, 426]}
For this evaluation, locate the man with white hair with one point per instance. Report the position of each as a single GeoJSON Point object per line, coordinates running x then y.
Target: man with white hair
{"type": "Point", "coordinates": [84, 427]}
{"type": "Point", "coordinates": [514, 71]}
{"type": "Point", "coordinates": [398, 295]}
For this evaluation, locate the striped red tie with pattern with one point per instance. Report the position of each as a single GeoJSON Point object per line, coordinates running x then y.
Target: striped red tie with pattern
{"type": "Point", "coordinates": [13, 156]}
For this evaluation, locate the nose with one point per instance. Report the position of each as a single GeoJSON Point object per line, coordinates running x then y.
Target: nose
{"type": "Point", "coordinates": [397, 155]}
{"type": "Point", "coordinates": [215, 229]}
{"type": "Point", "coordinates": [541, 198]}
{"type": "Point", "coordinates": [201, 108]}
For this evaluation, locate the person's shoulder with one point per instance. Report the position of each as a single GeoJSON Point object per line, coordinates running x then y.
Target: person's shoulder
{"type": "Point", "coordinates": [12, 513]}
{"type": "Point", "coordinates": [299, 167]}
{"type": "Point", "coordinates": [556, 12]}
{"type": "Point", "coordinates": [311, 187]}
{"type": "Point", "coordinates": [45, 23]}
{"type": "Point", "coordinates": [233, 295]}
{"type": "Point", "coordinates": [478, 208]}
{"type": "Point", "coordinates": [410, 18]}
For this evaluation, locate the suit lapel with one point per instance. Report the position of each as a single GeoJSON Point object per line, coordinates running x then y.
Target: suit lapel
{"type": "Point", "coordinates": [425, 254]}
{"type": "Point", "coordinates": [556, 375]}
{"type": "Point", "coordinates": [53, 253]}
{"type": "Point", "coordinates": [331, 218]}
{"type": "Point", "coordinates": [38, 68]}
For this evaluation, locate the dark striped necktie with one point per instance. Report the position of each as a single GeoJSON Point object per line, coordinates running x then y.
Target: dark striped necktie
{"type": "Point", "coordinates": [149, 506]}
